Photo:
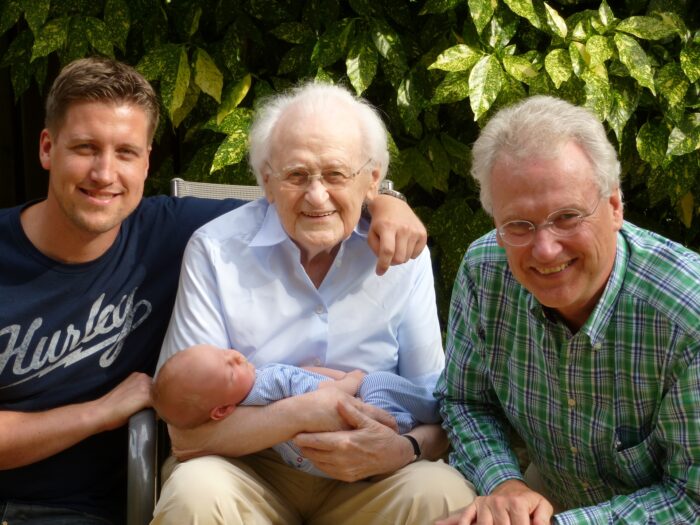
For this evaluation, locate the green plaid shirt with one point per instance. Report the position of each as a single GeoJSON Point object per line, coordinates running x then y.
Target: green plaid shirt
{"type": "Point", "coordinates": [611, 414]}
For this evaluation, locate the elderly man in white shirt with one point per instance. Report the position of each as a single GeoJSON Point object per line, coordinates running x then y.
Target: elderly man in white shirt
{"type": "Point", "coordinates": [290, 279]}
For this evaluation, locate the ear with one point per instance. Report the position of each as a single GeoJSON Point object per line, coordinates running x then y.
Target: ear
{"type": "Point", "coordinates": [45, 145]}
{"type": "Point", "coordinates": [148, 160]}
{"type": "Point", "coordinates": [267, 187]}
{"type": "Point", "coordinates": [375, 180]}
{"type": "Point", "coordinates": [615, 201]}
{"type": "Point", "coordinates": [221, 412]}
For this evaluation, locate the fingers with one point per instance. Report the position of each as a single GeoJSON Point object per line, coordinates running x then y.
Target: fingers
{"type": "Point", "coordinates": [358, 414]}
{"type": "Point", "coordinates": [384, 247]}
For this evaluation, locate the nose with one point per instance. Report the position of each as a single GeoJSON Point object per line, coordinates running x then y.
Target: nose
{"type": "Point", "coordinates": [545, 246]}
{"type": "Point", "coordinates": [316, 193]}
{"type": "Point", "coordinates": [103, 166]}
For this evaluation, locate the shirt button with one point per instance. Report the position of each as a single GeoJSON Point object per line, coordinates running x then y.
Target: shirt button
{"type": "Point", "coordinates": [574, 450]}
{"type": "Point", "coordinates": [597, 346]}
{"type": "Point", "coordinates": [571, 402]}
{"type": "Point", "coordinates": [317, 362]}
{"type": "Point", "coordinates": [319, 309]}
{"type": "Point", "coordinates": [585, 485]}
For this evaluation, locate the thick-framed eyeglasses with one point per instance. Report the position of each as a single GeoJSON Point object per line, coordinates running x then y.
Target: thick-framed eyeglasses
{"type": "Point", "coordinates": [562, 223]}
{"type": "Point", "coordinates": [333, 178]}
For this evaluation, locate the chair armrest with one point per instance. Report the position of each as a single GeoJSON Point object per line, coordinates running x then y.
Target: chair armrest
{"type": "Point", "coordinates": [142, 468]}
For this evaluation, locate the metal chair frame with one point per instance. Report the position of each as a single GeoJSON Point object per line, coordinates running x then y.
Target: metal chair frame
{"type": "Point", "coordinates": [147, 444]}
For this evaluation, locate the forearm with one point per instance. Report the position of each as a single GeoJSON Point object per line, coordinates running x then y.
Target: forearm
{"type": "Point", "coordinates": [250, 429]}
{"type": "Point", "coordinates": [28, 437]}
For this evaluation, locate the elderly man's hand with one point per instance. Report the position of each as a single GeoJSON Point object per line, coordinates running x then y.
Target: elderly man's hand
{"type": "Point", "coordinates": [395, 234]}
{"type": "Point", "coordinates": [368, 449]}
{"type": "Point", "coordinates": [511, 503]}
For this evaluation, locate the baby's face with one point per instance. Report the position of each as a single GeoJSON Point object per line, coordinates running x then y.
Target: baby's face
{"type": "Point", "coordinates": [235, 374]}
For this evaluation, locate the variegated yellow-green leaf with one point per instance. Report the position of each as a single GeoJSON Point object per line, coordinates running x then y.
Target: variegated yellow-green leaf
{"type": "Point", "coordinates": [672, 83]}
{"type": "Point", "coordinates": [457, 58]}
{"type": "Point", "coordinates": [605, 13]}
{"type": "Point", "coordinates": [175, 79]}
{"type": "Point", "coordinates": [439, 6]}
{"type": "Point", "coordinates": [188, 104]}
{"type": "Point", "coordinates": [440, 162]}
{"type": "Point", "coordinates": [454, 87]}
{"type": "Point", "coordinates": [410, 104]}
{"type": "Point", "coordinates": [633, 56]}
{"type": "Point", "coordinates": [10, 11]}
{"type": "Point", "coordinates": [98, 35]}
{"type": "Point", "coordinates": [690, 61]}
{"type": "Point", "coordinates": [579, 58]}
{"type": "Point", "coordinates": [501, 29]}
{"type": "Point", "coordinates": [50, 37]}
{"type": "Point", "coordinates": [555, 22]}
{"type": "Point", "coordinates": [231, 151]}
{"type": "Point", "coordinates": [331, 46]}
{"type": "Point", "coordinates": [388, 43]}
{"type": "Point", "coordinates": [597, 88]}
{"type": "Point", "coordinates": [579, 32]}
{"type": "Point", "coordinates": [485, 81]}
{"type": "Point", "coordinates": [482, 11]}
{"type": "Point", "coordinates": [687, 205]}
{"type": "Point", "coordinates": [652, 140]}
{"type": "Point", "coordinates": [526, 9]}
{"type": "Point", "coordinates": [237, 121]}
{"type": "Point", "coordinates": [207, 75]}
{"type": "Point", "coordinates": [152, 64]}
{"type": "Point", "coordinates": [118, 21]}
{"type": "Point", "coordinates": [519, 68]}
{"type": "Point", "coordinates": [323, 76]}
{"type": "Point", "coordinates": [685, 137]}
{"type": "Point", "coordinates": [295, 60]}
{"type": "Point", "coordinates": [35, 13]}
{"type": "Point", "coordinates": [19, 50]}
{"type": "Point", "coordinates": [625, 97]}
{"type": "Point", "coordinates": [416, 167]}
{"type": "Point", "coordinates": [361, 64]}
{"type": "Point", "coordinates": [293, 32]}
{"type": "Point", "coordinates": [234, 95]}
{"type": "Point", "coordinates": [600, 49]}
{"type": "Point", "coordinates": [558, 65]}
{"type": "Point", "coordinates": [647, 27]}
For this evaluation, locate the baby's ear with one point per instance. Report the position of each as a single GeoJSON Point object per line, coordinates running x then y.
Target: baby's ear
{"type": "Point", "coordinates": [221, 412]}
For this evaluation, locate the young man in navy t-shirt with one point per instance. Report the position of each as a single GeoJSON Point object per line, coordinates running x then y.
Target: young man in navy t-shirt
{"type": "Point", "coordinates": [87, 279]}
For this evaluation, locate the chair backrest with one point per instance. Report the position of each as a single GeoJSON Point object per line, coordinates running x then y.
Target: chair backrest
{"type": "Point", "coordinates": [210, 190]}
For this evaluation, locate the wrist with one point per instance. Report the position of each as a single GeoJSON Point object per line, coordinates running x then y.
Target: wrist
{"type": "Point", "coordinates": [415, 450]}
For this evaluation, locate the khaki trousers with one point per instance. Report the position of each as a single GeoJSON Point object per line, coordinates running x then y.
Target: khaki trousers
{"type": "Point", "coordinates": [260, 489]}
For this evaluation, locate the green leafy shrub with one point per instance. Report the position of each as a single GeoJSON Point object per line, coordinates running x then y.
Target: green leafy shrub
{"type": "Point", "coordinates": [437, 69]}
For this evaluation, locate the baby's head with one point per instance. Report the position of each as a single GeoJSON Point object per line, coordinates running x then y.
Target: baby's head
{"type": "Point", "coordinates": [200, 383]}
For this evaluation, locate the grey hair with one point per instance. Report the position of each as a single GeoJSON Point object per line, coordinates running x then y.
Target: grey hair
{"type": "Point", "coordinates": [538, 127]}
{"type": "Point", "coordinates": [316, 98]}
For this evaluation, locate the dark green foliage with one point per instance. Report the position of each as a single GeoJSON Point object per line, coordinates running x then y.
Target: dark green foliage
{"type": "Point", "coordinates": [437, 69]}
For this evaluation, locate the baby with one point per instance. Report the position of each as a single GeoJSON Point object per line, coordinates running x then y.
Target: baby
{"type": "Point", "coordinates": [204, 382]}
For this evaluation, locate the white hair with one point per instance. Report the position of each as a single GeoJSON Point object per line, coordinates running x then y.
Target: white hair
{"type": "Point", "coordinates": [316, 98]}
{"type": "Point", "coordinates": [538, 127]}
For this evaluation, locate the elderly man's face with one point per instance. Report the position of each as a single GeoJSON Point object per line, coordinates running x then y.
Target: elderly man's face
{"type": "Point", "coordinates": [567, 274]}
{"type": "Point", "coordinates": [317, 218]}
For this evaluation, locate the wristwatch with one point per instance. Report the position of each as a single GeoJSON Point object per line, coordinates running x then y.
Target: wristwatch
{"type": "Point", "coordinates": [415, 445]}
{"type": "Point", "coordinates": [386, 187]}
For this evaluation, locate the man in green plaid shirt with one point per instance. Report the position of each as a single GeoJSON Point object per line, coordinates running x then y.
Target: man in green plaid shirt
{"type": "Point", "coordinates": [578, 330]}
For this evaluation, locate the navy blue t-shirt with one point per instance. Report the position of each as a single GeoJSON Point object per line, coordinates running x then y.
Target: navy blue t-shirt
{"type": "Point", "coordinates": [70, 333]}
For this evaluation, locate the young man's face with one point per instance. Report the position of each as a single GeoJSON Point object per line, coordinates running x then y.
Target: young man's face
{"type": "Point", "coordinates": [98, 163]}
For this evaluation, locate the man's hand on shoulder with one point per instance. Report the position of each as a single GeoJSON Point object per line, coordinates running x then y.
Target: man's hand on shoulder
{"type": "Point", "coordinates": [511, 503]}
{"type": "Point", "coordinates": [396, 234]}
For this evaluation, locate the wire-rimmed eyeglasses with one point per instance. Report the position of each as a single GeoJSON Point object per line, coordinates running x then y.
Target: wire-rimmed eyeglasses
{"type": "Point", "coordinates": [333, 178]}
{"type": "Point", "coordinates": [562, 223]}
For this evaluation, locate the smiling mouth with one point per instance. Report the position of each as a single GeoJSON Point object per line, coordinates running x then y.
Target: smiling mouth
{"type": "Point", "coordinates": [553, 269]}
{"type": "Point", "coordinates": [315, 215]}
{"type": "Point", "coordinates": [99, 195]}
